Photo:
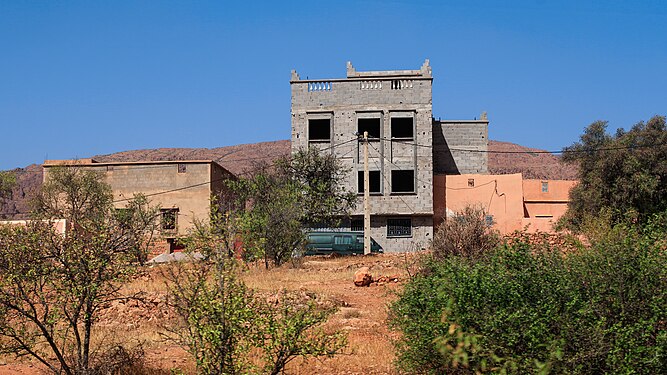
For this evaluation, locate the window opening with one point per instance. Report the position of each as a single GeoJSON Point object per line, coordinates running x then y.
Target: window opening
{"type": "Point", "coordinates": [357, 224]}
{"type": "Point", "coordinates": [488, 220]}
{"type": "Point", "coordinates": [370, 125]}
{"type": "Point", "coordinates": [399, 227]}
{"type": "Point", "coordinates": [402, 127]}
{"type": "Point", "coordinates": [545, 187]}
{"type": "Point", "coordinates": [471, 182]}
{"type": "Point", "coordinates": [182, 167]}
{"type": "Point", "coordinates": [374, 185]}
{"type": "Point", "coordinates": [319, 130]}
{"type": "Point", "coordinates": [403, 181]}
{"type": "Point", "coordinates": [169, 217]}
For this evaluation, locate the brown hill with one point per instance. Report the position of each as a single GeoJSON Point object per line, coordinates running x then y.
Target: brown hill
{"type": "Point", "coordinates": [238, 159]}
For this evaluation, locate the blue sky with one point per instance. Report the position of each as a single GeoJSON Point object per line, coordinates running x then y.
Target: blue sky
{"type": "Point", "coordinates": [80, 78]}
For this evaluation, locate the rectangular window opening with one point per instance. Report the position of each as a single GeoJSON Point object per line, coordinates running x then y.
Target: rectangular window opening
{"type": "Point", "coordinates": [319, 130]}
{"type": "Point", "coordinates": [356, 225]}
{"type": "Point", "coordinates": [402, 128]}
{"type": "Point", "coordinates": [471, 182]}
{"type": "Point", "coordinates": [182, 168]}
{"type": "Point", "coordinates": [545, 187]}
{"type": "Point", "coordinates": [399, 227]}
{"type": "Point", "coordinates": [169, 218]}
{"type": "Point", "coordinates": [374, 182]}
{"type": "Point", "coordinates": [370, 125]}
{"type": "Point", "coordinates": [403, 181]}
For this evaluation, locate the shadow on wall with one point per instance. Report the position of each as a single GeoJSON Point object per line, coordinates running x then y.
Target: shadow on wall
{"type": "Point", "coordinates": [443, 160]}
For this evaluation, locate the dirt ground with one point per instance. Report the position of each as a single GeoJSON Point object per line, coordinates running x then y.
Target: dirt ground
{"type": "Point", "coordinates": [362, 314]}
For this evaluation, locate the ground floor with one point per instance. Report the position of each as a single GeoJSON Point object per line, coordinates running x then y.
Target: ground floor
{"type": "Point", "coordinates": [395, 233]}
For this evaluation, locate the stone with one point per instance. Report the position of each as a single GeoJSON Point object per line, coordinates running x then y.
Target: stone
{"type": "Point", "coordinates": [363, 277]}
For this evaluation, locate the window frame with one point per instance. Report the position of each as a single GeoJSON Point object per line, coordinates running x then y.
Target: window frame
{"type": "Point", "coordinates": [403, 117]}
{"type": "Point", "coordinates": [319, 118]}
{"type": "Point", "coordinates": [169, 227]}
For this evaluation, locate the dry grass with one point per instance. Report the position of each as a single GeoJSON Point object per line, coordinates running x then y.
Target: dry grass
{"type": "Point", "coordinates": [362, 314]}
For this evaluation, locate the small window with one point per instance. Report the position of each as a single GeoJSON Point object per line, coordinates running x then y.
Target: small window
{"type": "Point", "coordinates": [399, 227]}
{"type": "Point", "coordinates": [169, 218]}
{"type": "Point", "coordinates": [471, 182]}
{"type": "Point", "coordinates": [357, 225]}
{"type": "Point", "coordinates": [319, 130]}
{"type": "Point", "coordinates": [545, 187]}
{"type": "Point", "coordinates": [403, 181]}
{"type": "Point", "coordinates": [182, 168]}
{"type": "Point", "coordinates": [488, 220]}
{"type": "Point", "coordinates": [109, 168]}
{"type": "Point", "coordinates": [370, 125]}
{"type": "Point", "coordinates": [374, 182]}
{"type": "Point", "coordinates": [401, 127]}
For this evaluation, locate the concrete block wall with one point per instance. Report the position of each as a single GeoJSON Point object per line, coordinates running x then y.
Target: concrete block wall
{"type": "Point", "coordinates": [459, 146]}
{"type": "Point", "coordinates": [379, 95]}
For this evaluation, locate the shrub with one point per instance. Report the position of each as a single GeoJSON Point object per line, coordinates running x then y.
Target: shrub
{"type": "Point", "coordinates": [467, 234]}
{"type": "Point", "coordinates": [524, 309]}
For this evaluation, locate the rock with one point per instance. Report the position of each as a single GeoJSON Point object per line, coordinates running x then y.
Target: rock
{"type": "Point", "coordinates": [363, 277]}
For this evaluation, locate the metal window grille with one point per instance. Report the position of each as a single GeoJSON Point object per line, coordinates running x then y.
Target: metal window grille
{"type": "Point", "coordinates": [399, 227]}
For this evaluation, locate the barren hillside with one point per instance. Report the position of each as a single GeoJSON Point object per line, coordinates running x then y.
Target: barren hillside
{"type": "Point", "coordinates": [240, 158]}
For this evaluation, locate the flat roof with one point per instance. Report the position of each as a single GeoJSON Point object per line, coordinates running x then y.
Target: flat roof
{"type": "Point", "coordinates": [95, 163]}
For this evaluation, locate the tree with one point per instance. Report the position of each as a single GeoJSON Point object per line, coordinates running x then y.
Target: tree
{"type": "Point", "coordinates": [302, 191]}
{"type": "Point", "coordinates": [7, 183]}
{"type": "Point", "coordinates": [52, 285]}
{"type": "Point", "coordinates": [229, 328]}
{"type": "Point", "coordinates": [621, 175]}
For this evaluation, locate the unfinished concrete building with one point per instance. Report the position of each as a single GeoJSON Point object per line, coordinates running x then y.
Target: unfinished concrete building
{"type": "Point", "coordinates": [408, 147]}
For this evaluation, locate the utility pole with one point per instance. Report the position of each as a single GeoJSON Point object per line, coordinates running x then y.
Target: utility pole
{"type": "Point", "coordinates": [367, 204]}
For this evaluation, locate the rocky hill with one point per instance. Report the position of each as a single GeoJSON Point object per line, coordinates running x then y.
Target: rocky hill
{"type": "Point", "coordinates": [504, 158]}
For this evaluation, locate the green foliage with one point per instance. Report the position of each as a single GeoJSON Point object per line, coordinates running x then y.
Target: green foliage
{"type": "Point", "coordinates": [301, 191]}
{"type": "Point", "coordinates": [621, 176]}
{"type": "Point", "coordinates": [466, 234]}
{"type": "Point", "coordinates": [289, 328]}
{"type": "Point", "coordinates": [52, 285]}
{"type": "Point", "coordinates": [231, 330]}
{"type": "Point", "coordinates": [7, 184]}
{"type": "Point", "coordinates": [534, 309]}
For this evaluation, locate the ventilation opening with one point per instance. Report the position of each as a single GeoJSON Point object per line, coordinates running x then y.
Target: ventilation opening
{"type": "Point", "coordinates": [373, 179]}
{"type": "Point", "coordinates": [319, 130]}
{"type": "Point", "coordinates": [402, 127]}
{"type": "Point", "coordinates": [370, 125]}
{"type": "Point", "coordinates": [182, 168]}
{"type": "Point", "coordinates": [403, 181]}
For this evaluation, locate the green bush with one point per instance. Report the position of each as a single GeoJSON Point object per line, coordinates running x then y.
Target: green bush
{"type": "Point", "coordinates": [535, 309]}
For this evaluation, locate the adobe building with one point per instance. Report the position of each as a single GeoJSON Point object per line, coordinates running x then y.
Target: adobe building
{"type": "Point", "coordinates": [510, 202]}
{"type": "Point", "coordinates": [182, 189]}
{"type": "Point", "coordinates": [407, 146]}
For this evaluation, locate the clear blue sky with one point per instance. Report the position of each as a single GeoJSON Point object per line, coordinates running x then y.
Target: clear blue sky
{"type": "Point", "coordinates": [79, 78]}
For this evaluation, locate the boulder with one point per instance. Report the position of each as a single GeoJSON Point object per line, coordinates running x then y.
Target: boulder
{"type": "Point", "coordinates": [363, 277]}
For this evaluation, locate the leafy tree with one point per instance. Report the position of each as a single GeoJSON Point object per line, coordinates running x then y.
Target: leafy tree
{"type": "Point", "coordinates": [52, 285]}
{"type": "Point", "coordinates": [230, 329]}
{"type": "Point", "coordinates": [297, 192]}
{"type": "Point", "coordinates": [621, 176]}
{"type": "Point", "coordinates": [7, 183]}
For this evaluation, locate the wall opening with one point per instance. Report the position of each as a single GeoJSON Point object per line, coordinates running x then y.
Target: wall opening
{"type": "Point", "coordinates": [169, 218]}
{"type": "Point", "coordinates": [399, 227]}
{"type": "Point", "coordinates": [182, 168]}
{"type": "Point", "coordinates": [374, 182]}
{"type": "Point", "coordinates": [357, 224]}
{"type": "Point", "coordinates": [370, 125]}
{"type": "Point", "coordinates": [319, 130]}
{"type": "Point", "coordinates": [402, 128]}
{"type": "Point", "coordinates": [403, 181]}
